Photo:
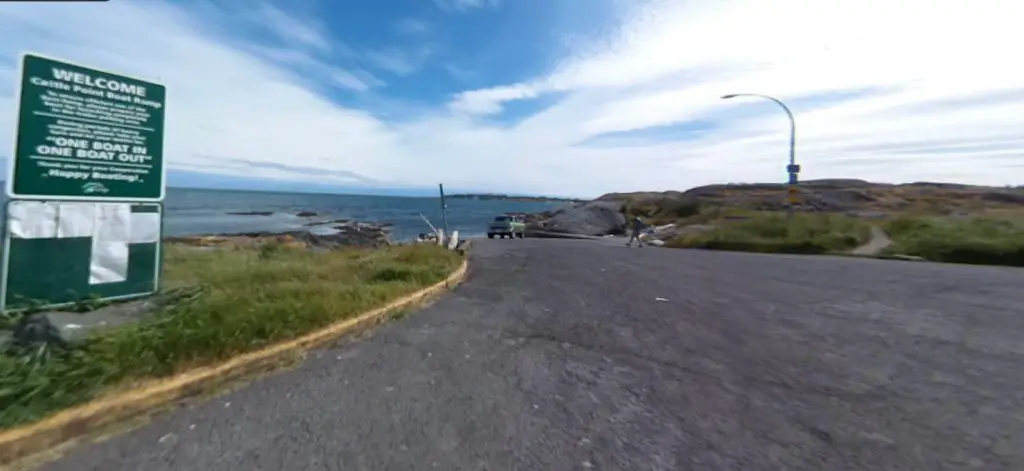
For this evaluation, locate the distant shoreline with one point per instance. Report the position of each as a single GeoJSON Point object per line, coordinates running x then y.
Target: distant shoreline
{"type": "Point", "coordinates": [527, 199]}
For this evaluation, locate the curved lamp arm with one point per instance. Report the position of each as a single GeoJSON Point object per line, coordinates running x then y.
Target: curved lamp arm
{"type": "Point", "coordinates": [792, 122]}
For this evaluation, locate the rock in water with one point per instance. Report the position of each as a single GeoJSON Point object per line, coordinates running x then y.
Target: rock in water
{"type": "Point", "coordinates": [596, 218]}
{"type": "Point", "coordinates": [252, 213]}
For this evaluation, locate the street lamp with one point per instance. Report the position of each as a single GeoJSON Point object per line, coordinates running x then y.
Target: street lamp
{"type": "Point", "coordinates": [793, 169]}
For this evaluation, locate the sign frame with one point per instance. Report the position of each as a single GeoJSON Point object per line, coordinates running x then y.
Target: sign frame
{"type": "Point", "coordinates": [12, 161]}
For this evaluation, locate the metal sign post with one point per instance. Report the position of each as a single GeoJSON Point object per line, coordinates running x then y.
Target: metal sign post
{"type": "Point", "coordinates": [444, 215]}
{"type": "Point", "coordinates": [793, 192]}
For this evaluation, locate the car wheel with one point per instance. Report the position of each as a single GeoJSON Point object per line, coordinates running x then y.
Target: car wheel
{"type": "Point", "coordinates": [490, 236]}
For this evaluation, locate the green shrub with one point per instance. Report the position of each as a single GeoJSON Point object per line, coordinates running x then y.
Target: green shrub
{"type": "Point", "coordinates": [975, 240]}
{"type": "Point", "coordinates": [775, 233]}
{"type": "Point", "coordinates": [682, 208]}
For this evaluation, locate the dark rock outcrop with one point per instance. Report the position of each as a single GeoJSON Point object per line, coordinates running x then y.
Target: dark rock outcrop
{"type": "Point", "coordinates": [324, 236]}
{"type": "Point", "coordinates": [324, 223]}
{"type": "Point", "coordinates": [1009, 197]}
{"type": "Point", "coordinates": [251, 213]}
{"type": "Point", "coordinates": [38, 329]}
{"type": "Point", "coordinates": [828, 195]}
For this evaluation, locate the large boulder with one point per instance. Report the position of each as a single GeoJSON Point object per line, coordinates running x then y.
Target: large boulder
{"type": "Point", "coordinates": [40, 328]}
{"type": "Point", "coordinates": [68, 328]}
{"type": "Point", "coordinates": [596, 218]}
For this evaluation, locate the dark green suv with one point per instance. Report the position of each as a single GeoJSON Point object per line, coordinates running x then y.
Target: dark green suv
{"type": "Point", "coordinates": [506, 226]}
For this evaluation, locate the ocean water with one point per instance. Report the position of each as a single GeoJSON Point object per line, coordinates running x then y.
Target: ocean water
{"type": "Point", "coordinates": [194, 211]}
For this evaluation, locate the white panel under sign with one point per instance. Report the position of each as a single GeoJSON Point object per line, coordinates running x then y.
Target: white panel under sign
{"type": "Point", "coordinates": [75, 219]}
{"type": "Point", "coordinates": [109, 262]}
{"type": "Point", "coordinates": [32, 219]}
{"type": "Point", "coordinates": [145, 228]}
{"type": "Point", "coordinates": [113, 222]}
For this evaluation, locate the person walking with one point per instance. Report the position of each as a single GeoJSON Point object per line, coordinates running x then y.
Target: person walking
{"type": "Point", "coordinates": [637, 228]}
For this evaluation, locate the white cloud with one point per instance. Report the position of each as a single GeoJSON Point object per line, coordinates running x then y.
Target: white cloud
{"type": "Point", "coordinates": [288, 28]}
{"type": "Point", "coordinates": [935, 94]}
{"type": "Point", "coordinates": [488, 101]}
{"type": "Point", "coordinates": [399, 61]}
{"type": "Point", "coordinates": [224, 103]}
{"type": "Point", "coordinates": [672, 60]}
{"type": "Point", "coordinates": [307, 69]}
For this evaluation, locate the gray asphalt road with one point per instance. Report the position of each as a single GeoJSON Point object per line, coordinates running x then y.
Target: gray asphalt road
{"type": "Point", "coordinates": [558, 355]}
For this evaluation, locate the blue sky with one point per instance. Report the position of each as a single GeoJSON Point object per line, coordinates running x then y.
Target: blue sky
{"type": "Point", "coordinates": [560, 97]}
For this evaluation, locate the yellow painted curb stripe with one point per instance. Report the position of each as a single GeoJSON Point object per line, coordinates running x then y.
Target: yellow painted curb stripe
{"type": "Point", "coordinates": [93, 416]}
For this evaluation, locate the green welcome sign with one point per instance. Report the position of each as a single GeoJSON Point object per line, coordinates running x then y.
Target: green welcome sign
{"type": "Point", "coordinates": [86, 135]}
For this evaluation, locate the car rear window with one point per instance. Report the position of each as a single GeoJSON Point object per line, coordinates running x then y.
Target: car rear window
{"type": "Point", "coordinates": [501, 219]}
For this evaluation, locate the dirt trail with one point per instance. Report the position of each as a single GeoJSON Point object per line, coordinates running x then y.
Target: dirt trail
{"type": "Point", "coordinates": [879, 242]}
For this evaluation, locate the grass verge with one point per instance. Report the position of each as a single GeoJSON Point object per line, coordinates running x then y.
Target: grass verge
{"type": "Point", "coordinates": [251, 298]}
{"type": "Point", "coordinates": [774, 233]}
{"type": "Point", "coordinates": [981, 240]}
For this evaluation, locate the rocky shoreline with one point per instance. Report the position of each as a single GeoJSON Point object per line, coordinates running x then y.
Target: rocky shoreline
{"type": "Point", "coordinates": [323, 235]}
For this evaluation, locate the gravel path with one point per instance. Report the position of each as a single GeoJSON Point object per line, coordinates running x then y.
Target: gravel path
{"type": "Point", "coordinates": [578, 355]}
{"type": "Point", "coordinates": [879, 242]}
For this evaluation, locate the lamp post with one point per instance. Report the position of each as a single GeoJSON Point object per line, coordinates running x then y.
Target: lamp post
{"type": "Point", "coordinates": [793, 169]}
